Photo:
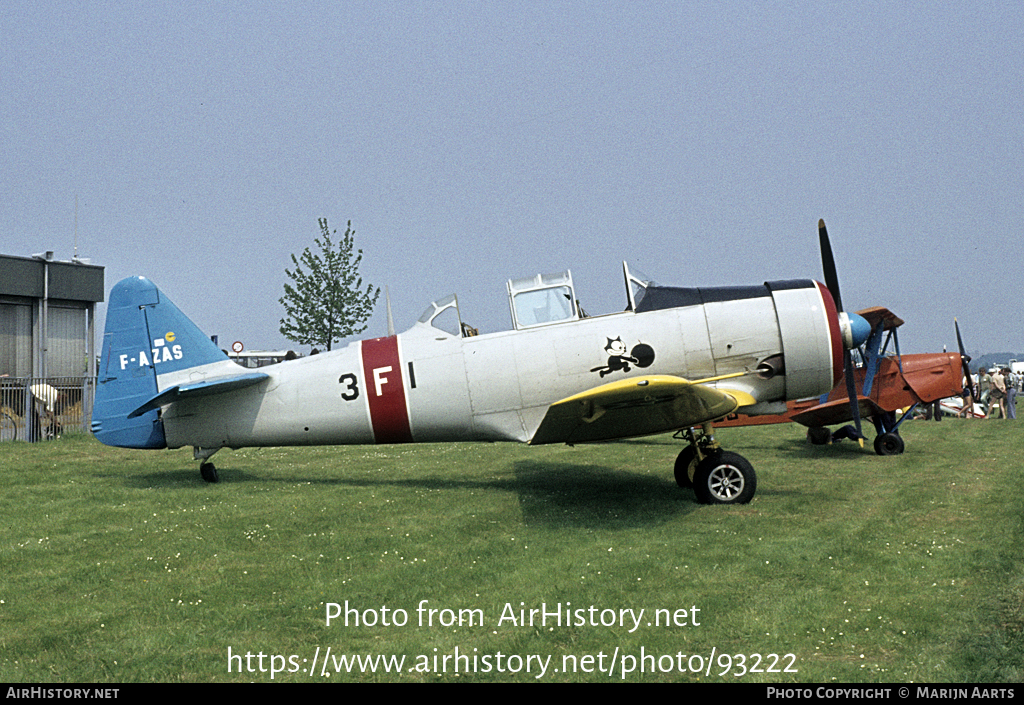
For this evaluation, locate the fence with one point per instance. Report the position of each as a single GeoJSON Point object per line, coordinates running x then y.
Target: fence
{"type": "Point", "coordinates": [40, 409]}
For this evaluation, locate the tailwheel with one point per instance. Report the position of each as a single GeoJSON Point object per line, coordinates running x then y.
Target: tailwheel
{"type": "Point", "coordinates": [724, 478]}
{"type": "Point", "coordinates": [209, 472]}
{"type": "Point", "coordinates": [207, 469]}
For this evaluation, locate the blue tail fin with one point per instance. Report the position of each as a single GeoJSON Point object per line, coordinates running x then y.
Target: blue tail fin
{"type": "Point", "coordinates": [145, 335]}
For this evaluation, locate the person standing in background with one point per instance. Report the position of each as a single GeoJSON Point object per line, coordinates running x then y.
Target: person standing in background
{"type": "Point", "coordinates": [997, 393]}
{"type": "Point", "coordinates": [1012, 380]}
{"type": "Point", "coordinates": [985, 386]}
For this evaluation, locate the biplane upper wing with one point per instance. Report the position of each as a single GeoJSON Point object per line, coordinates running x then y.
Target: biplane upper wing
{"type": "Point", "coordinates": [879, 313]}
{"type": "Point", "coordinates": [637, 406]}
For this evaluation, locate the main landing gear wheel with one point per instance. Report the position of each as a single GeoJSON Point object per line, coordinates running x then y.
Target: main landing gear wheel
{"type": "Point", "coordinates": [686, 465]}
{"type": "Point", "coordinates": [209, 472]}
{"type": "Point", "coordinates": [889, 444]}
{"type": "Point", "coordinates": [724, 478]}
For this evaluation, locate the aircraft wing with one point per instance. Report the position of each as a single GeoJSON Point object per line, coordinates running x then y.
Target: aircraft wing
{"type": "Point", "coordinates": [637, 406]}
{"type": "Point", "coordinates": [203, 388]}
{"type": "Point", "coordinates": [835, 412]}
{"type": "Point", "coordinates": [877, 314]}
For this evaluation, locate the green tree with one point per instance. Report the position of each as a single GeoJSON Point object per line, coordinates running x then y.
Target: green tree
{"type": "Point", "coordinates": [325, 300]}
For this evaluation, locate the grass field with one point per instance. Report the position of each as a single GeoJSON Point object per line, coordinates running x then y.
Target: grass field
{"type": "Point", "coordinates": [124, 566]}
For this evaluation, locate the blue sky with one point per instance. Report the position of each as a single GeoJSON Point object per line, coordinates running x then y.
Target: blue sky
{"type": "Point", "coordinates": [470, 142]}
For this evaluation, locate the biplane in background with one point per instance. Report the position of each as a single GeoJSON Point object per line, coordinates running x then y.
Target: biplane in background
{"type": "Point", "coordinates": [954, 406]}
{"type": "Point", "coordinates": [676, 359]}
{"type": "Point", "coordinates": [888, 388]}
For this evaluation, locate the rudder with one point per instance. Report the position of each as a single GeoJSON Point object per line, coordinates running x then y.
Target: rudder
{"type": "Point", "coordinates": [145, 335]}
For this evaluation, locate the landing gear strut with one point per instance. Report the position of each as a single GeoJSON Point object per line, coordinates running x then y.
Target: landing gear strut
{"type": "Point", "coordinates": [716, 476]}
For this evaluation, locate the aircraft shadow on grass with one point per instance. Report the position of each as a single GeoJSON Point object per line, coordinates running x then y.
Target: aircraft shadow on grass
{"type": "Point", "coordinates": [592, 496]}
{"type": "Point", "coordinates": [550, 493]}
{"type": "Point", "coordinates": [799, 447]}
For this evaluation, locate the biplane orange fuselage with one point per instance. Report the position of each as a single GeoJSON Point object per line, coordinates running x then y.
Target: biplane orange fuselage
{"type": "Point", "coordinates": [925, 378]}
{"type": "Point", "coordinates": [883, 386]}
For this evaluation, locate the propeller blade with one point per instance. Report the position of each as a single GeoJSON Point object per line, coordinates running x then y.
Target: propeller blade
{"type": "Point", "coordinates": [965, 360]}
{"type": "Point", "coordinates": [959, 340]}
{"type": "Point", "coordinates": [828, 265]}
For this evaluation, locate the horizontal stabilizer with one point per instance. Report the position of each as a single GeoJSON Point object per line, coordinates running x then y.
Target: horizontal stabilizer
{"type": "Point", "coordinates": [203, 388]}
{"type": "Point", "coordinates": [610, 411]}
